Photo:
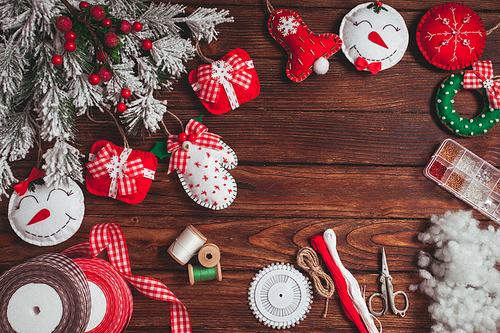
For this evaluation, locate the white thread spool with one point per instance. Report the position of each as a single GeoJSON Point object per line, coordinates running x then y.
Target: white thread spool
{"type": "Point", "coordinates": [186, 245]}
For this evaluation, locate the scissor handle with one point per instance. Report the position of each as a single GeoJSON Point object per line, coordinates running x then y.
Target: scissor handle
{"type": "Point", "coordinates": [383, 297]}
{"type": "Point", "coordinates": [393, 304]}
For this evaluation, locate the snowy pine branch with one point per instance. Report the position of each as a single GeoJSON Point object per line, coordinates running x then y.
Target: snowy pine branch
{"type": "Point", "coordinates": [160, 18]}
{"type": "Point", "coordinates": [17, 135]}
{"type": "Point", "coordinates": [6, 177]}
{"type": "Point", "coordinates": [171, 52]}
{"type": "Point", "coordinates": [12, 68]}
{"type": "Point", "coordinates": [145, 111]}
{"type": "Point", "coordinates": [202, 22]}
{"type": "Point", "coordinates": [62, 162]}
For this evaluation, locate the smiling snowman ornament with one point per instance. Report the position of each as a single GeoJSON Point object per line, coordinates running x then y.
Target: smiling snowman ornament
{"type": "Point", "coordinates": [374, 36]}
{"type": "Point", "coordinates": [45, 215]}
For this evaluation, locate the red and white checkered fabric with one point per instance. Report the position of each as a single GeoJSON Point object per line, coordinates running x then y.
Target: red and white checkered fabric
{"type": "Point", "coordinates": [223, 74]}
{"type": "Point", "coordinates": [110, 236]}
{"type": "Point", "coordinates": [117, 167]}
{"type": "Point", "coordinates": [481, 76]}
{"type": "Point", "coordinates": [203, 138]}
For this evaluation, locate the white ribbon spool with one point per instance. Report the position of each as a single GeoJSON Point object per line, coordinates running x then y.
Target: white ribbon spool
{"type": "Point", "coordinates": [186, 245]}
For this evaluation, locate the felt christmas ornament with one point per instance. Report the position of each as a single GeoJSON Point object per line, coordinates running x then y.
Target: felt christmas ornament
{"type": "Point", "coordinates": [120, 173]}
{"type": "Point", "coordinates": [374, 36]}
{"type": "Point", "coordinates": [45, 215]}
{"type": "Point", "coordinates": [202, 160]}
{"type": "Point", "coordinates": [225, 84]}
{"type": "Point", "coordinates": [451, 36]}
{"type": "Point", "coordinates": [306, 50]}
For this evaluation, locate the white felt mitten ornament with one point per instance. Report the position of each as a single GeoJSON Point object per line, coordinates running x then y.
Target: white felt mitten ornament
{"type": "Point", "coordinates": [43, 215]}
{"type": "Point", "coordinates": [202, 160]}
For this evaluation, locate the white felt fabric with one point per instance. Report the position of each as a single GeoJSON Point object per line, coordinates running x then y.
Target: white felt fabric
{"type": "Point", "coordinates": [34, 308]}
{"type": "Point", "coordinates": [360, 22]}
{"type": "Point", "coordinates": [65, 204]}
{"type": "Point", "coordinates": [206, 179]}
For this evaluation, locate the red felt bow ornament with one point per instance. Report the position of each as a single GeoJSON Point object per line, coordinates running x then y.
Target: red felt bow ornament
{"type": "Point", "coordinates": [481, 76]}
{"type": "Point", "coordinates": [110, 236]}
{"type": "Point", "coordinates": [362, 64]}
{"type": "Point", "coordinates": [121, 171]}
{"type": "Point", "coordinates": [22, 187]}
{"type": "Point", "coordinates": [196, 133]}
{"type": "Point", "coordinates": [223, 74]}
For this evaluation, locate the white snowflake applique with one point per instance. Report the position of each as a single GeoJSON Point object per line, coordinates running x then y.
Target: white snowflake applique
{"type": "Point", "coordinates": [221, 71]}
{"type": "Point", "coordinates": [455, 33]}
{"type": "Point", "coordinates": [115, 167]}
{"type": "Point", "coordinates": [288, 25]}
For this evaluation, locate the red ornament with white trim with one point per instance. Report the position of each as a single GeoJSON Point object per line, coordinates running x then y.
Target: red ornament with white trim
{"type": "Point", "coordinates": [225, 84]}
{"type": "Point", "coordinates": [306, 50]}
{"type": "Point", "coordinates": [202, 161]}
{"type": "Point", "coordinates": [120, 173]}
{"type": "Point", "coordinates": [451, 36]}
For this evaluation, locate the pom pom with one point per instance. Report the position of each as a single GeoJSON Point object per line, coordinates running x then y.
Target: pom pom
{"type": "Point", "coordinates": [321, 66]}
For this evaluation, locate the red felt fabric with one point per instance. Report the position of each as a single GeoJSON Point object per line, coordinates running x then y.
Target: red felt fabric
{"type": "Point", "coordinates": [451, 36]}
{"type": "Point", "coordinates": [302, 45]}
{"type": "Point", "coordinates": [101, 186]}
{"type": "Point", "coordinates": [244, 95]}
{"type": "Point", "coordinates": [318, 243]}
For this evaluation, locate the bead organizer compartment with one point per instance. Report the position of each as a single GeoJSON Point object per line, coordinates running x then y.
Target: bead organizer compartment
{"type": "Point", "coordinates": [467, 176]}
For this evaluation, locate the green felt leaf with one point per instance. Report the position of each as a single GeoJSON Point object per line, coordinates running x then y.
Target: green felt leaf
{"type": "Point", "coordinates": [160, 149]}
{"type": "Point", "coordinates": [198, 119]}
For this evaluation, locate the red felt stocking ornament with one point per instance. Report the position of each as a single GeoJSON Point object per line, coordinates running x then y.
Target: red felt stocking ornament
{"type": "Point", "coordinates": [306, 50]}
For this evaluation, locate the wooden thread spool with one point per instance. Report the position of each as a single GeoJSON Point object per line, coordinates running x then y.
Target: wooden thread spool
{"type": "Point", "coordinates": [200, 273]}
{"type": "Point", "coordinates": [186, 245]}
{"type": "Point", "coordinates": [209, 255]}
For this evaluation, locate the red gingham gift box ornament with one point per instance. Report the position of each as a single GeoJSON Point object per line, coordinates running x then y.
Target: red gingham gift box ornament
{"type": "Point", "coordinates": [202, 160]}
{"type": "Point", "coordinates": [120, 173]}
{"type": "Point", "coordinates": [451, 36]}
{"type": "Point", "coordinates": [225, 84]}
{"type": "Point", "coordinates": [306, 50]}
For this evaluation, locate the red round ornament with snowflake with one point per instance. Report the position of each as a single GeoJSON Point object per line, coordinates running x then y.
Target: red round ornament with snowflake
{"type": "Point", "coordinates": [451, 36]}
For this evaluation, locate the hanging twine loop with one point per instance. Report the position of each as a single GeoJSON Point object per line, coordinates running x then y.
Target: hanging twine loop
{"type": "Point", "coordinates": [493, 29]}
{"type": "Point", "coordinates": [308, 260]}
{"type": "Point", "coordinates": [201, 55]}
{"type": "Point", "coordinates": [165, 126]}
{"type": "Point", "coordinates": [115, 121]}
{"type": "Point", "coordinates": [270, 7]}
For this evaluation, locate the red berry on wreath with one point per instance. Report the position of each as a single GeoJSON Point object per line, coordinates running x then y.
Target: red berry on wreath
{"type": "Point", "coordinates": [111, 40]}
{"type": "Point", "coordinates": [105, 74]}
{"type": "Point", "coordinates": [183, 137]}
{"type": "Point", "coordinates": [191, 138]}
{"type": "Point", "coordinates": [97, 12]}
{"type": "Point", "coordinates": [147, 44]}
{"type": "Point", "coordinates": [106, 22]}
{"type": "Point", "coordinates": [121, 107]}
{"type": "Point", "coordinates": [57, 60]}
{"type": "Point", "coordinates": [69, 46]}
{"type": "Point", "coordinates": [101, 57]}
{"type": "Point", "coordinates": [94, 79]}
{"type": "Point", "coordinates": [126, 93]}
{"type": "Point", "coordinates": [70, 35]}
{"type": "Point", "coordinates": [137, 26]}
{"type": "Point", "coordinates": [63, 23]}
{"type": "Point", "coordinates": [84, 5]}
{"type": "Point", "coordinates": [125, 26]}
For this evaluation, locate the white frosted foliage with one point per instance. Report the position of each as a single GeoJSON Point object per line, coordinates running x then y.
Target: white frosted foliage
{"type": "Point", "coordinates": [147, 110]}
{"type": "Point", "coordinates": [170, 53]}
{"type": "Point", "coordinates": [61, 163]}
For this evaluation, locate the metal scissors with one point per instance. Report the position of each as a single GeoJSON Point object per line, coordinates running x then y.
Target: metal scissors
{"type": "Point", "coordinates": [386, 293]}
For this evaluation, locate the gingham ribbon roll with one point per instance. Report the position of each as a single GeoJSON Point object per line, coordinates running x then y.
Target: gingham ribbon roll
{"type": "Point", "coordinates": [37, 312]}
{"type": "Point", "coordinates": [109, 236]}
{"type": "Point", "coordinates": [223, 74]}
{"type": "Point", "coordinates": [202, 138]}
{"type": "Point", "coordinates": [108, 163]}
{"type": "Point", "coordinates": [481, 76]}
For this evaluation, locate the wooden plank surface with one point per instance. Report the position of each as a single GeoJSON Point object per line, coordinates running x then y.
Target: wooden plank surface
{"type": "Point", "coordinates": [344, 150]}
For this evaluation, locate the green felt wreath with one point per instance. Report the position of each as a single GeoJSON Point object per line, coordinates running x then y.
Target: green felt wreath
{"type": "Point", "coordinates": [460, 125]}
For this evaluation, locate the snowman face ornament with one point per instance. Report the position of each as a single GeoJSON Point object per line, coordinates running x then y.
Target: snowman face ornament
{"type": "Point", "coordinates": [48, 215]}
{"type": "Point", "coordinates": [374, 36]}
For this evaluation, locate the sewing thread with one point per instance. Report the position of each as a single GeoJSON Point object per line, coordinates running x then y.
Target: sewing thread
{"type": "Point", "coordinates": [209, 255]}
{"type": "Point", "coordinates": [200, 273]}
{"type": "Point", "coordinates": [186, 245]}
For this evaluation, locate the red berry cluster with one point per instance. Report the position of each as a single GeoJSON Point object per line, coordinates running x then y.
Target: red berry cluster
{"type": "Point", "coordinates": [64, 24]}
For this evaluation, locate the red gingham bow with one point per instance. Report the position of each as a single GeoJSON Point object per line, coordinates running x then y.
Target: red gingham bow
{"type": "Point", "coordinates": [481, 77]}
{"type": "Point", "coordinates": [223, 73]}
{"type": "Point", "coordinates": [203, 138]}
{"type": "Point", "coordinates": [121, 171]}
{"type": "Point", "coordinates": [110, 236]}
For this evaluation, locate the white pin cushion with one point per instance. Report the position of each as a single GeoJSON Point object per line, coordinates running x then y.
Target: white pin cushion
{"type": "Point", "coordinates": [47, 215]}
{"type": "Point", "coordinates": [374, 36]}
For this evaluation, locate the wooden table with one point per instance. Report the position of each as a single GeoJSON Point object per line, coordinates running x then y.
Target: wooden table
{"type": "Point", "coordinates": [344, 150]}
